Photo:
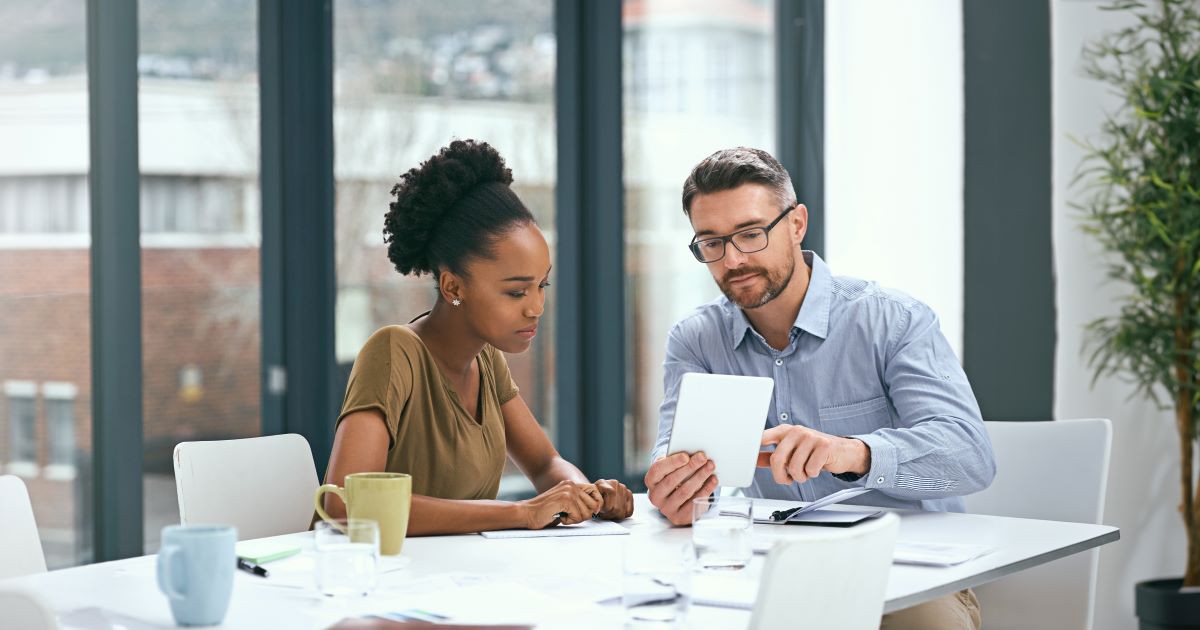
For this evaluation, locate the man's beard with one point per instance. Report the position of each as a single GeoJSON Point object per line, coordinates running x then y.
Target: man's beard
{"type": "Point", "coordinates": [777, 281]}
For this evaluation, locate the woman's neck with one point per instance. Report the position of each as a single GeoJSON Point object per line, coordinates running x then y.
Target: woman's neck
{"type": "Point", "coordinates": [446, 334]}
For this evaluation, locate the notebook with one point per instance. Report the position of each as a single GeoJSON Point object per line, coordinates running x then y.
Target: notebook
{"type": "Point", "coordinates": [586, 528]}
{"type": "Point", "coordinates": [263, 551]}
{"type": "Point", "coordinates": [819, 512]}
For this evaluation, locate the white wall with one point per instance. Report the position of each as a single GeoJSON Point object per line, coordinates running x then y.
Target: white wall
{"type": "Point", "coordinates": [894, 149]}
{"type": "Point", "coordinates": [1143, 486]}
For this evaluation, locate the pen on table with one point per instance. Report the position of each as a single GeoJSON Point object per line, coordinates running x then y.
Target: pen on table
{"type": "Point", "coordinates": [783, 515]}
{"type": "Point", "coordinates": [562, 516]}
{"type": "Point", "coordinates": [250, 567]}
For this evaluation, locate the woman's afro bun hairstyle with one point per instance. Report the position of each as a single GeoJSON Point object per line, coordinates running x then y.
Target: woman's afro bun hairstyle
{"type": "Point", "coordinates": [451, 208]}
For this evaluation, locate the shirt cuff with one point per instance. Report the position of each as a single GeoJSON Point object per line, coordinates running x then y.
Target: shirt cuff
{"type": "Point", "coordinates": [882, 474]}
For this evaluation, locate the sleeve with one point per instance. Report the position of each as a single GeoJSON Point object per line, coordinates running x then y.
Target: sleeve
{"type": "Point", "coordinates": [381, 381]}
{"type": "Point", "coordinates": [506, 387]}
{"type": "Point", "coordinates": [682, 356]}
{"type": "Point", "coordinates": [939, 447]}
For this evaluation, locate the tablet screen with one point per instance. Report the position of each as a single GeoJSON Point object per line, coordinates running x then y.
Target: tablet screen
{"type": "Point", "coordinates": [723, 415]}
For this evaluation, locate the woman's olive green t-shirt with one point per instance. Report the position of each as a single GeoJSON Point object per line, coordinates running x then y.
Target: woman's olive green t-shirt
{"type": "Point", "coordinates": [449, 454]}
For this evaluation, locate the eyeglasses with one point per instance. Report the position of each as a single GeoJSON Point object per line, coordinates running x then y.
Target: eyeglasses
{"type": "Point", "coordinates": [747, 241]}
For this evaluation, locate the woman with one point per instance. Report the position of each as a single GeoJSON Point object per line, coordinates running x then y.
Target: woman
{"type": "Point", "coordinates": [434, 398]}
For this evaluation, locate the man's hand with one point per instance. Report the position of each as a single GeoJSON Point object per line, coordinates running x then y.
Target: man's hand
{"type": "Point", "coordinates": [672, 482]}
{"type": "Point", "coordinates": [618, 500]}
{"type": "Point", "coordinates": [802, 453]}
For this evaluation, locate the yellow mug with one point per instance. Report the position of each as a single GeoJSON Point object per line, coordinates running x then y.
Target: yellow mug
{"type": "Point", "coordinates": [383, 497]}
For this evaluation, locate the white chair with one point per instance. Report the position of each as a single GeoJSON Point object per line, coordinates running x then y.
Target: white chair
{"type": "Point", "coordinates": [20, 547]}
{"type": "Point", "coordinates": [1054, 470]}
{"type": "Point", "coordinates": [24, 610]}
{"type": "Point", "coordinates": [834, 579]}
{"type": "Point", "coordinates": [264, 486]}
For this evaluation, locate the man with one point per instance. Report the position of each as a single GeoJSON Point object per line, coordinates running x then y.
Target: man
{"type": "Point", "coordinates": [867, 390]}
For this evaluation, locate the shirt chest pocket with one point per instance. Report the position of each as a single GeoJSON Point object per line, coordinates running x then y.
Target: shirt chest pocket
{"type": "Point", "coordinates": [856, 418]}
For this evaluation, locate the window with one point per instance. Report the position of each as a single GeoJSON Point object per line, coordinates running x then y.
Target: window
{"type": "Point", "coordinates": [64, 196]}
{"type": "Point", "coordinates": [409, 78]}
{"type": "Point", "coordinates": [60, 424]}
{"type": "Point", "coordinates": [205, 208]}
{"type": "Point", "coordinates": [903, 225]}
{"type": "Point", "coordinates": [22, 427]}
{"type": "Point", "coordinates": [698, 78]}
{"type": "Point", "coordinates": [45, 267]}
{"type": "Point", "coordinates": [198, 137]}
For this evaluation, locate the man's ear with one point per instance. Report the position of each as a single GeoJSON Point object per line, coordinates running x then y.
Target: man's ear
{"type": "Point", "coordinates": [798, 222]}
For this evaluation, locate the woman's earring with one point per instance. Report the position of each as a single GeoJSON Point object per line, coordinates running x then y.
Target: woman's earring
{"type": "Point", "coordinates": [456, 301]}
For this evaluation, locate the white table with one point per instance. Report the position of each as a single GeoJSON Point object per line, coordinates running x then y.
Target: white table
{"type": "Point", "coordinates": [128, 588]}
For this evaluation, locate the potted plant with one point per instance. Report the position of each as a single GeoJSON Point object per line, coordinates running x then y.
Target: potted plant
{"type": "Point", "coordinates": [1143, 205]}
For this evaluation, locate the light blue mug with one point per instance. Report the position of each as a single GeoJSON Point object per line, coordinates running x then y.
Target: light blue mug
{"type": "Point", "coordinates": [195, 571]}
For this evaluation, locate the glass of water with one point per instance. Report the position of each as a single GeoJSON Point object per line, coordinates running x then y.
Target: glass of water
{"type": "Point", "coordinates": [656, 583]}
{"type": "Point", "coordinates": [347, 557]}
{"type": "Point", "coordinates": [721, 532]}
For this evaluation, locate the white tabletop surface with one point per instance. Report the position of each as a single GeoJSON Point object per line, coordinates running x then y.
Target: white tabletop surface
{"type": "Point", "coordinates": [565, 570]}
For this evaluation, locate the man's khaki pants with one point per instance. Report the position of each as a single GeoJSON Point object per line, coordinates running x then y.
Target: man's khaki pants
{"type": "Point", "coordinates": [957, 611]}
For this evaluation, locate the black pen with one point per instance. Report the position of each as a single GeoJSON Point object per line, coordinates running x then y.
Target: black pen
{"type": "Point", "coordinates": [783, 515]}
{"type": "Point", "coordinates": [250, 567]}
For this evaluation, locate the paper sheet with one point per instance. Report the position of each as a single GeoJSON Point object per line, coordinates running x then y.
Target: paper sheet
{"type": "Point", "coordinates": [735, 590]}
{"type": "Point", "coordinates": [935, 554]}
{"type": "Point", "coordinates": [586, 528]}
{"type": "Point", "coordinates": [487, 601]}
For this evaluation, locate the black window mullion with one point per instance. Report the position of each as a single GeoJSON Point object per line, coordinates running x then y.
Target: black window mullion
{"type": "Point", "coordinates": [800, 66]}
{"type": "Point", "coordinates": [116, 278]}
{"type": "Point", "coordinates": [299, 287]}
{"type": "Point", "coordinates": [590, 321]}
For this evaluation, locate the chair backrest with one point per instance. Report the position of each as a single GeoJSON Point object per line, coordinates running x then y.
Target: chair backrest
{"type": "Point", "coordinates": [25, 610]}
{"type": "Point", "coordinates": [20, 547]}
{"type": "Point", "coordinates": [835, 578]}
{"type": "Point", "coordinates": [264, 486]}
{"type": "Point", "coordinates": [1053, 470]}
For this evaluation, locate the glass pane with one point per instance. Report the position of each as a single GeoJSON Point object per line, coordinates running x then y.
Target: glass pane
{"type": "Point", "coordinates": [198, 141]}
{"type": "Point", "coordinates": [21, 418]}
{"type": "Point", "coordinates": [60, 411]}
{"type": "Point", "coordinates": [409, 78]}
{"type": "Point", "coordinates": [45, 310]}
{"type": "Point", "coordinates": [910, 150]}
{"type": "Point", "coordinates": [698, 78]}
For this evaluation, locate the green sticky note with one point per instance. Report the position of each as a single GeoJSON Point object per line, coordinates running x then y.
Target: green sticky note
{"type": "Point", "coordinates": [263, 551]}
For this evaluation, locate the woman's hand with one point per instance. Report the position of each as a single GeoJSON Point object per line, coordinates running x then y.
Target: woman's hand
{"type": "Point", "coordinates": [618, 500]}
{"type": "Point", "coordinates": [579, 500]}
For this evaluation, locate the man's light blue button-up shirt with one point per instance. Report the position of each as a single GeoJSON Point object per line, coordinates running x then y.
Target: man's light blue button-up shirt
{"type": "Point", "coordinates": [863, 362]}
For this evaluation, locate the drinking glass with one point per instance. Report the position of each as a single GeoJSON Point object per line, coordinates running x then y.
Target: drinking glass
{"type": "Point", "coordinates": [656, 582]}
{"type": "Point", "coordinates": [721, 532]}
{"type": "Point", "coordinates": [347, 557]}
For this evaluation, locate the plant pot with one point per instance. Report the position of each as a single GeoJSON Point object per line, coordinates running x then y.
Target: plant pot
{"type": "Point", "coordinates": [1160, 606]}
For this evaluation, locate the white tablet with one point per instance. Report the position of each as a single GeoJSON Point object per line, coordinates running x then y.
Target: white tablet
{"type": "Point", "coordinates": [724, 416]}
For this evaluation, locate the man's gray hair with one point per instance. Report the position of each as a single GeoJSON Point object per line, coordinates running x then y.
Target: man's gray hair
{"type": "Point", "coordinates": [730, 168]}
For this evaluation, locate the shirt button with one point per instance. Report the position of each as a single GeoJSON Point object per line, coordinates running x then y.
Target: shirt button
{"type": "Point", "coordinates": [879, 480]}
{"type": "Point", "coordinates": [783, 416]}
{"type": "Point", "coordinates": [778, 361]}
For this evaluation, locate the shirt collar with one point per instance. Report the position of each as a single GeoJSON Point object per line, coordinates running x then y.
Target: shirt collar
{"type": "Point", "coordinates": [813, 317]}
